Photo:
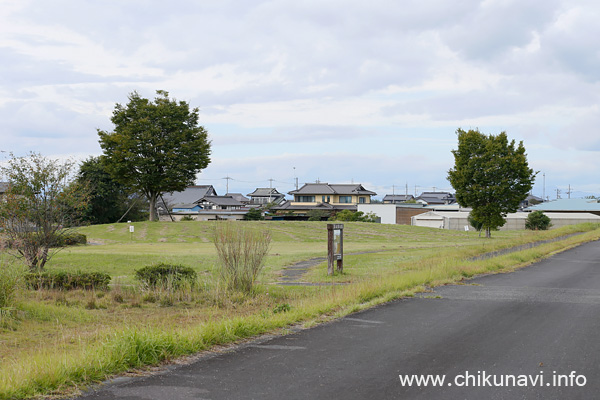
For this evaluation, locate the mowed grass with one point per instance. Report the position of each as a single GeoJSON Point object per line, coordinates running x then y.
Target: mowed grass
{"type": "Point", "coordinates": [68, 339]}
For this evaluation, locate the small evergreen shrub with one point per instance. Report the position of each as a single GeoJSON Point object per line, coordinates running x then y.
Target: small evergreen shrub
{"type": "Point", "coordinates": [71, 239]}
{"type": "Point", "coordinates": [538, 221]}
{"type": "Point", "coordinates": [166, 275]}
{"type": "Point", "coordinates": [187, 218]}
{"type": "Point", "coordinates": [62, 280]}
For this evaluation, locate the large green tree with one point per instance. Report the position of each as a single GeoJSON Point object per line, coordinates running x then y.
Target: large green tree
{"type": "Point", "coordinates": [156, 146]}
{"type": "Point", "coordinates": [110, 200]}
{"type": "Point", "coordinates": [491, 175]}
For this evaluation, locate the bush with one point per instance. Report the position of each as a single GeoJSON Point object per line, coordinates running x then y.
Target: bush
{"type": "Point", "coordinates": [254, 214]}
{"type": "Point", "coordinates": [71, 239]}
{"type": "Point", "coordinates": [62, 280]}
{"type": "Point", "coordinates": [356, 216]}
{"type": "Point", "coordinates": [164, 275]}
{"type": "Point", "coordinates": [187, 218]}
{"type": "Point", "coordinates": [241, 252]}
{"type": "Point", "coordinates": [538, 221]}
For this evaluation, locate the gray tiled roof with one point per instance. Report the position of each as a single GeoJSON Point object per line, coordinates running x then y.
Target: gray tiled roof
{"type": "Point", "coordinates": [398, 197]}
{"type": "Point", "coordinates": [222, 201]}
{"type": "Point", "coordinates": [325, 188]}
{"type": "Point", "coordinates": [190, 195]}
{"type": "Point", "coordinates": [264, 192]}
{"type": "Point", "coordinates": [238, 196]}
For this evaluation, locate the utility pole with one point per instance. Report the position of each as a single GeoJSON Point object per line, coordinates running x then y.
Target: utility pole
{"type": "Point", "coordinates": [227, 178]}
{"type": "Point", "coordinates": [393, 190]}
{"type": "Point", "coordinates": [270, 189]}
{"type": "Point", "coordinates": [544, 188]}
{"type": "Point", "coordinates": [569, 192]}
{"type": "Point", "coordinates": [557, 194]}
{"type": "Point", "coordinates": [296, 178]}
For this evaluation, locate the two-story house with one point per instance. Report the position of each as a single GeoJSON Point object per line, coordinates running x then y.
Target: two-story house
{"type": "Point", "coordinates": [262, 196]}
{"type": "Point", "coordinates": [327, 197]}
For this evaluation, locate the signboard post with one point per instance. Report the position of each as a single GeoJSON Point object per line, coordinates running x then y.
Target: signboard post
{"type": "Point", "coordinates": [335, 248]}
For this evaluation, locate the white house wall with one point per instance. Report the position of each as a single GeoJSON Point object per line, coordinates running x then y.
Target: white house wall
{"type": "Point", "coordinates": [387, 212]}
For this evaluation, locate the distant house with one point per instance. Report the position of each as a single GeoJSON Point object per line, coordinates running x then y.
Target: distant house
{"type": "Point", "coordinates": [187, 208]}
{"type": "Point", "coordinates": [263, 196]}
{"type": "Point", "coordinates": [397, 198]}
{"type": "Point", "coordinates": [239, 197]}
{"type": "Point", "coordinates": [219, 203]}
{"type": "Point", "coordinates": [531, 200]}
{"type": "Point", "coordinates": [326, 197]}
{"type": "Point", "coordinates": [436, 198]}
{"type": "Point", "coordinates": [209, 208]}
{"type": "Point", "coordinates": [188, 196]}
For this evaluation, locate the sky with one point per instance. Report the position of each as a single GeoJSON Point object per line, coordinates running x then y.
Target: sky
{"type": "Point", "coordinates": [368, 92]}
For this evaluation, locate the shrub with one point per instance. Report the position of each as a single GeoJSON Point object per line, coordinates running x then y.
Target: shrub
{"type": "Point", "coordinates": [163, 275]}
{"type": "Point", "coordinates": [187, 218]}
{"type": "Point", "coordinates": [241, 252]}
{"type": "Point", "coordinates": [62, 280]}
{"type": "Point", "coordinates": [71, 239]}
{"type": "Point", "coordinates": [359, 216]}
{"type": "Point", "coordinates": [254, 214]}
{"type": "Point", "coordinates": [538, 221]}
{"type": "Point", "coordinates": [317, 215]}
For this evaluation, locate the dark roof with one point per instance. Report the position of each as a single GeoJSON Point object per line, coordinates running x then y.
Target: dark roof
{"type": "Point", "coordinates": [221, 201]}
{"type": "Point", "coordinates": [326, 188]}
{"type": "Point", "coordinates": [437, 197]}
{"type": "Point", "coordinates": [265, 192]}
{"type": "Point", "coordinates": [239, 197]}
{"type": "Point", "coordinates": [190, 195]}
{"type": "Point", "coordinates": [398, 197]}
{"type": "Point", "coordinates": [320, 206]}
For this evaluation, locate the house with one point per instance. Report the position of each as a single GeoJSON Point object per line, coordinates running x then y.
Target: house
{"type": "Point", "coordinates": [326, 197]}
{"type": "Point", "coordinates": [431, 198]}
{"type": "Point", "coordinates": [208, 208]}
{"type": "Point", "coordinates": [397, 198]}
{"type": "Point", "coordinates": [239, 197]}
{"type": "Point", "coordinates": [219, 203]}
{"type": "Point", "coordinates": [189, 195]}
{"type": "Point", "coordinates": [186, 208]}
{"type": "Point", "coordinates": [263, 196]}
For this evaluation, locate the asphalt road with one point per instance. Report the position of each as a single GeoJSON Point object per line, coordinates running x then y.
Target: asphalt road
{"type": "Point", "coordinates": [540, 325]}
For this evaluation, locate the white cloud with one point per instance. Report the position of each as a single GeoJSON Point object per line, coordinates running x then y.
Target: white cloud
{"type": "Point", "coordinates": [383, 83]}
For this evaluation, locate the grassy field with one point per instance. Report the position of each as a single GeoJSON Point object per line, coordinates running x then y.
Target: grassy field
{"type": "Point", "coordinates": [63, 340]}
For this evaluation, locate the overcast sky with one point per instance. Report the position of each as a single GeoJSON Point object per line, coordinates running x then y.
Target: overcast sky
{"type": "Point", "coordinates": [368, 92]}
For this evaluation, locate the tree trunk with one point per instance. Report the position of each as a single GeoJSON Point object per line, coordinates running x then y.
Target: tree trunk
{"type": "Point", "coordinates": [488, 233]}
{"type": "Point", "coordinates": [152, 200]}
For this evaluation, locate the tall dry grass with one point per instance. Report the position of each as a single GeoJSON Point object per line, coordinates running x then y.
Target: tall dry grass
{"type": "Point", "coordinates": [241, 253]}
